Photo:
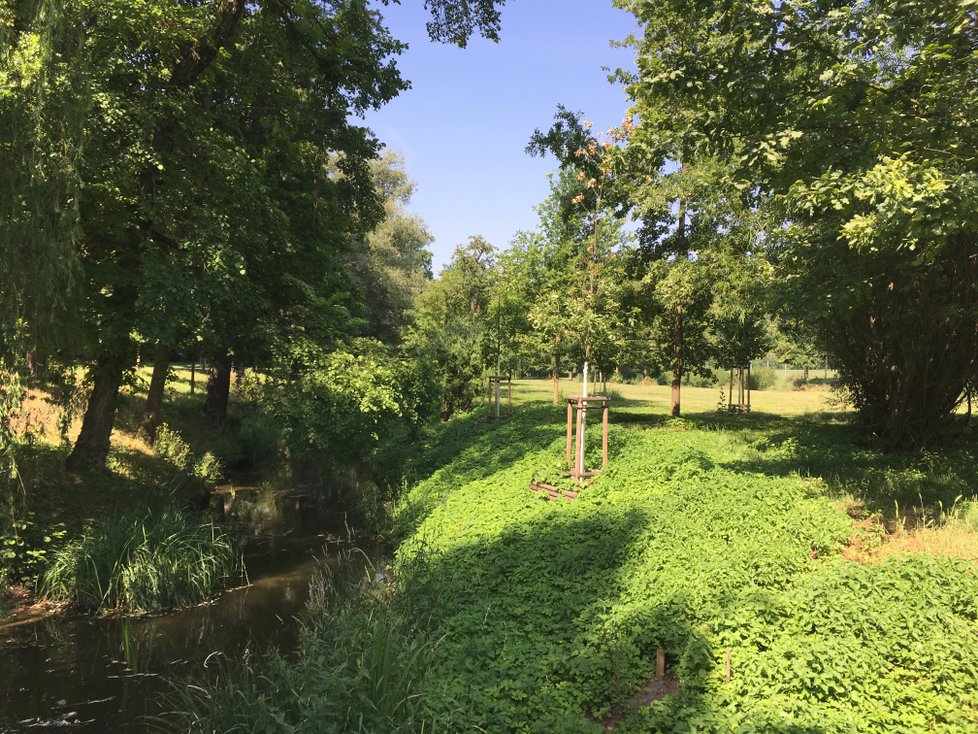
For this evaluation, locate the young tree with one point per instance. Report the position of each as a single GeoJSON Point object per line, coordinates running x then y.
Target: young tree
{"type": "Point", "coordinates": [590, 212]}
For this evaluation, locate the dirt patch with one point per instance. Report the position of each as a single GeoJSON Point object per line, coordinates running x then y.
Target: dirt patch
{"type": "Point", "coordinates": [873, 540]}
{"type": "Point", "coordinates": [25, 608]}
{"type": "Point", "coordinates": [655, 689]}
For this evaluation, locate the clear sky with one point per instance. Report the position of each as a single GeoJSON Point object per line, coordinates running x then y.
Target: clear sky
{"type": "Point", "coordinates": [464, 124]}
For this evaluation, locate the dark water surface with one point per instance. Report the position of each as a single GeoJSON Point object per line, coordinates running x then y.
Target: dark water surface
{"type": "Point", "coordinates": [104, 675]}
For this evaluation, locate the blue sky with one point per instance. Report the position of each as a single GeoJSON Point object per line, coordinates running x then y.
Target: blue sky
{"type": "Point", "coordinates": [464, 124]}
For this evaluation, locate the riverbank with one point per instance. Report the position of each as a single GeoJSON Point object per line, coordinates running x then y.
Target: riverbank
{"type": "Point", "coordinates": [794, 579]}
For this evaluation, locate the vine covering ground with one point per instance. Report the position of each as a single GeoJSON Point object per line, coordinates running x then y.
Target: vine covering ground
{"type": "Point", "coordinates": [705, 534]}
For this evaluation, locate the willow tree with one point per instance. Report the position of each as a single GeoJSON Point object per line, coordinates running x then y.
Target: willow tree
{"type": "Point", "coordinates": [850, 125]}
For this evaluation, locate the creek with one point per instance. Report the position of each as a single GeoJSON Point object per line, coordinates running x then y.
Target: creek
{"type": "Point", "coordinates": [63, 673]}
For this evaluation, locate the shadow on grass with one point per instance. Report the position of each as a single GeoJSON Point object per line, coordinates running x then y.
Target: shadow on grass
{"type": "Point", "coordinates": [525, 643]}
{"type": "Point", "coordinates": [839, 453]}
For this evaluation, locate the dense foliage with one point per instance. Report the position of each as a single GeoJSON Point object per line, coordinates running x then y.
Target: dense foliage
{"type": "Point", "coordinates": [694, 541]}
{"type": "Point", "coordinates": [847, 125]}
{"type": "Point", "coordinates": [511, 613]}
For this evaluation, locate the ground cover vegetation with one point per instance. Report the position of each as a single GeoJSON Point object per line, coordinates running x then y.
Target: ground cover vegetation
{"type": "Point", "coordinates": [775, 537]}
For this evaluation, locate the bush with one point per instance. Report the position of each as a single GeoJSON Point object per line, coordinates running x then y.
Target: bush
{"type": "Point", "coordinates": [763, 378]}
{"type": "Point", "coordinates": [161, 560]}
{"type": "Point", "coordinates": [172, 447]}
{"type": "Point", "coordinates": [26, 544]}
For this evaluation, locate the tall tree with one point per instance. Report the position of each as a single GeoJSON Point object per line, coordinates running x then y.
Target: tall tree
{"type": "Point", "coordinates": [392, 265]}
{"type": "Point", "coordinates": [449, 333]}
{"type": "Point", "coordinates": [849, 123]}
{"type": "Point", "coordinates": [167, 100]}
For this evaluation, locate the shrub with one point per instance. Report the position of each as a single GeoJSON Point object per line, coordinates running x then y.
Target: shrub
{"type": "Point", "coordinates": [26, 544]}
{"type": "Point", "coordinates": [763, 378]}
{"type": "Point", "coordinates": [172, 447]}
{"type": "Point", "coordinates": [161, 560]}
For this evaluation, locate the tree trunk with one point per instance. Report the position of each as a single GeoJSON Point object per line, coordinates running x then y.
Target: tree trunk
{"type": "Point", "coordinates": [730, 393]}
{"type": "Point", "coordinates": [748, 387]}
{"type": "Point", "coordinates": [804, 378]}
{"type": "Point", "coordinates": [92, 447]}
{"type": "Point", "coordinates": [677, 360]}
{"type": "Point", "coordinates": [193, 373]}
{"type": "Point", "coordinates": [154, 399]}
{"type": "Point", "coordinates": [218, 387]}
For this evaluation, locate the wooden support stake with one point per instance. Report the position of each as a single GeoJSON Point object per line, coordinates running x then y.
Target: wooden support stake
{"type": "Point", "coordinates": [604, 436]}
{"type": "Point", "coordinates": [660, 663]}
{"type": "Point", "coordinates": [727, 666]}
{"type": "Point", "coordinates": [570, 430]}
{"type": "Point", "coordinates": [578, 454]}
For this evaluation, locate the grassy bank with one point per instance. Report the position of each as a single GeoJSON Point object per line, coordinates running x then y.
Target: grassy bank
{"type": "Point", "coordinates": [841, 581]}
{"type": "Point", "coordinates": [131, 538]}
{"type": "Point", "coordinates": [705, 534]}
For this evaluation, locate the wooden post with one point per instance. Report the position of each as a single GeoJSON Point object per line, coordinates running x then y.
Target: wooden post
{"type": "Point", "coordinates": [570, 430]}
{"type": "Point", "coordinates": [660, 663]}
{"type": "Point", "coordinates": [748, 387]}
{"type": "Point", "coordinates": [578, 454]}
{"type": "Point", "coordinates": [604, 436]}
{"type": "Point", "coordinates": [727, 666]}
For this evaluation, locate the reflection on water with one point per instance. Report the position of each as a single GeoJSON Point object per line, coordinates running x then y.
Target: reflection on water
{"type": "Point", "coordinates": [103, 674]}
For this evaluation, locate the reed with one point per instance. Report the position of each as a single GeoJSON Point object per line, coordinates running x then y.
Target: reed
{"type": "Point", "coordinates": [160, 560]}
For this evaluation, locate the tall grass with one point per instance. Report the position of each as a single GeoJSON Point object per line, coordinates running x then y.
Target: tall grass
{"type": "Point", "coordinates": [358, 669]}
{"type": "Point", "coordinates": [160, 560]}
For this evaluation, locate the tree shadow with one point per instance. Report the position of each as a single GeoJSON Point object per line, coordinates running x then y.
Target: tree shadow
{"type": "Point", "coordinates": [850, 465]}
{"type": "Point", "coordinates": [525, 643]}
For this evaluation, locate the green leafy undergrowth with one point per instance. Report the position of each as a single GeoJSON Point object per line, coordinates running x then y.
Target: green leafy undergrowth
{"type": "Point", "coordinates": [158, 560]}
{"type": "Point", "coordinates": [549, 614]}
